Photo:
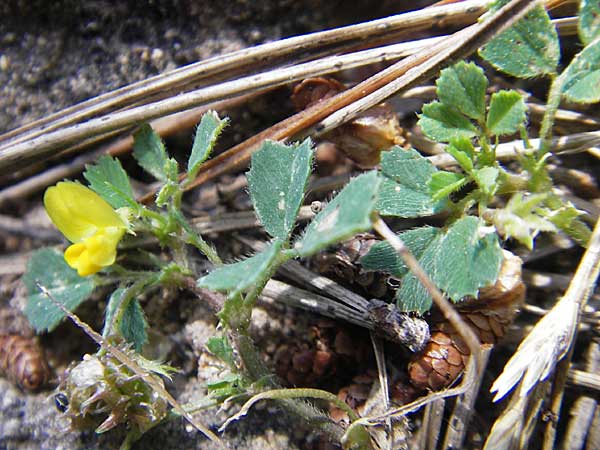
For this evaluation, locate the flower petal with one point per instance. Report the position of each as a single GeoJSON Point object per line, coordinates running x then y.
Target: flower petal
{"type": "Point", "coordinates": [78, 212]}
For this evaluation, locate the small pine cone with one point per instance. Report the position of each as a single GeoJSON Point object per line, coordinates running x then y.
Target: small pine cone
{"type": "Point", "coordinates": [342, 263]}
{"type": "Point", "coordinates": [444, 358]}
{"type": "Point", "coordinates": [23, 362]}
{"type": "Point", "coordinates": [355, 395]}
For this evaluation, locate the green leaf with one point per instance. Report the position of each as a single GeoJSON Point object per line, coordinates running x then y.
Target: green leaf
{"type": "Point", "coordinates": [487, 179]}
{"type": "Point", "coordinates": [207, 134]}
{"type": "Point", "coordinates": [383, 258]}
{"type": "Point", "coordinates": [149, 151]}
{"type": "Point", "coordinates": [108, 179]}
{"type": "Point", "coordinates": [277, 180]}
{"type": "Point", "coordinates": [465, 260]}
{"type": "Point", "coordinates": [463, 87]}
{"type": "Point", "coordinates": [589, 20]}
{"type": "Point", "coordinates": [347, 214]}
{"type": "Point", "coordinates": [242, 275]}
{"type": "Point", "coordinates": [443, 123]}
{"type": "Point", "coordinates": [48, 267]}
{"type": "Point", "coordinates": [506, 114]}
{"type": "Point", "coordinates": [463, 152]}
{"type": "Point", "coordinates": [582, 77]}
{"type": "Point", "coordinates": [442, 184]}
{"type": "Point", "coordinates": [133, 325]}
{"type": "Point", "coordinates": [527, 49]}
{"type": "Point", "coordinates": [219, 346]}
{"type": "Point", "coordinates": [403, 191]}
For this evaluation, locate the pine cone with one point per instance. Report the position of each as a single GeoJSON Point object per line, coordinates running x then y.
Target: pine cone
{"type": "Point", "coordinates": [445, 356]}
{"type": "Point", "coordinates": [23, 362]}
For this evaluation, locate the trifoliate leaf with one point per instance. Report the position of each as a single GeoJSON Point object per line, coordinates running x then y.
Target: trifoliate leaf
{"type": "Point", "coordinates": [442, 184]}
{"type": "Point", "coordinates": [150, 153]}
{"type": "Point", "coordinates": [463, 87]}
{"type": "Point", "coordinates": [207, 133]}
{"type": "Point", "coordinates": [220, 347]}
{"type": "Point", "coordinates": [244, 274]}
{"type": "Point", "coordinates": [347, 214]}
{"type": "Point", "coordinates": [277, 180]}
{"type": "Point", "coordinates": [582, 76]}
{"type": "Point", "coordinates": [443, 123]}
{"type": "Point", "coordinates": [383, 258]}
{"type": "Point", "coordinates": [403, 191]}
{"type": "Point", "coordinates": [527, 49]}
{"type": "Point", "coordinates": [589, 20]}
{"type": "Point", "coordinates": [48, 268]}
{"type": "Point", "coordinates": [133, 325]}
{"type": "Point", "coordinates": [506, 114]}
{"type": "Point", "coordinates": [108, 179]}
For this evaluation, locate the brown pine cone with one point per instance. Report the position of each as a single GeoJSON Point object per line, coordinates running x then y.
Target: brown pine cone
{"type": "Point", "coordinates": [445, 356]}
{"type": "Point", "coordinates": [23, 362]}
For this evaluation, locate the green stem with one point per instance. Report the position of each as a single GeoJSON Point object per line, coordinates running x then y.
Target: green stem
{"type": "Point", "coordinates": [552, 104]}
{"type": "Point", "coordinates": [205, 248]}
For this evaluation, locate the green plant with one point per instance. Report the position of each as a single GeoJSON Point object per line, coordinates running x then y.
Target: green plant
{"type": "Point", "coordinates": [483, 203]}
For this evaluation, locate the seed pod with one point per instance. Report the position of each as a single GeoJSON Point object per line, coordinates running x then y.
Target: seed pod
{"type": "Point", "coordinates": [445, 356]}
{"type": "Point", "coordinates": [23, 362]}
{"type": "Point", "coordinates": [363, 138]}
{"type": "Point", "coordinates": [103, 393]}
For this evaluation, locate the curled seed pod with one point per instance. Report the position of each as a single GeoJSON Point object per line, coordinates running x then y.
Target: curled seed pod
{"type": "Point", "coordinates": [23, 362]}
{"type": "Point", "coordinates": [362, 138]}
{"type": "Point", "coordinates": [445, 356]}
{"type": "Point", "coordinates": [342, 262]}
{"type": "Point", "coordinates": [101, 392]}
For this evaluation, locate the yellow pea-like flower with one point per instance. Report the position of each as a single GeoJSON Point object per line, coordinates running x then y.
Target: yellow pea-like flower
{"type": "Point", "coordinates": [89, 222]}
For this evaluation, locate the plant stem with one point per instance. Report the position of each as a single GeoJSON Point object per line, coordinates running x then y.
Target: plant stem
{"type": "Point", "coordinates": [552, 104]}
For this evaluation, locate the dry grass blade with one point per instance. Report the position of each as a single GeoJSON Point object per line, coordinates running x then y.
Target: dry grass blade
{"type": "Point", "coordinates": [260, 56]}
{"type": "Point", "coordinates": [40, 145]}
{"type": "Point", "coordinates": [350, 102]}
{"type": "Point", "coordinates": [549, 342]}
{"type": "Point", "coordinates": [132, 365]}
{"type": "Point", "coordinates": [552, 337]}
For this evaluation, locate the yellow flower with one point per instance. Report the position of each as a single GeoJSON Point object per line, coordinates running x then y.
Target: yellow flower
{"type": "Point", "coordinates": [89, 222]}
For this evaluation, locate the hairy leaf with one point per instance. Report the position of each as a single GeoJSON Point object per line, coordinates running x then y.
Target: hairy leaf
{"type": "Point", "coordinates": [582, 76]}
{"type": "Point", "coordinates": [48, 267]}
{"type": "Point", "coordinates": [527, 49]}
{"type": "Point", "coordinates": [241, 275]}
{"type": "Point", "coordinates": [404, 191]}
{"type": "Point", "coordinates": [463, 87]}
{"type": "Point", "coordinates": [382, 256]}
{"type": "Point", "coordinates": [443, 183]}
{"type": "Point", "coordinates": [108, 179]}
{"type": "Point", "coordinates": [277, 180]}
{"type": "Point", "coordinates": [347, 214]}
{"type": "Point", "coordinates": [443, 123]}
{"type": "Point", "coordinates": [507, 113]}
{"type": "Point", "coordinates": [463, 152]}
{"type": "Point", "coordinates": [589, 20]}
{"type": "Point", "coordinates": [207, 133]}
{"type": "Point", "coordinates": [487, 179]}
{"type": "Point", "coordinates": [466, 260]}
{"type": "Point", "coordinates": [133, 325]}
{"type": "Point", "coordinates": [149, 151]}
